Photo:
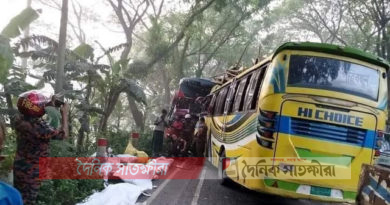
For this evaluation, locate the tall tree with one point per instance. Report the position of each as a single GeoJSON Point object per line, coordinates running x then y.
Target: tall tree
{"type": "Point", "coordinates": [26, 34]}
{"type": "Point", "coordinates": [129, 14]}
{"type": "Point", "coordinates": [61, 48]}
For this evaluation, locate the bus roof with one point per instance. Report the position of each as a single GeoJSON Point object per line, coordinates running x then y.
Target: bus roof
{"type": "Point", "coordinates": [334, 49]}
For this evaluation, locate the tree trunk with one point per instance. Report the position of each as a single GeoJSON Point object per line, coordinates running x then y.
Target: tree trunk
{"type": "Point", "coordinates": [103, 123]}
{"type": "Point", "coordinates": [80, 139]}
{"type": "Point", "coordinates": [383, 43]}
{"type": "Point", "coordinates": [112, 100]}
{"type": "Point", "coordinates": [180, 73]}
{"type": "Point", "coordinates": [8, 99]}
{"type": "Point", "coordinates": [26, 34]}
{"type": "Point", "coordinates": [386, 42]}
{"type": "Point", "coordinates": [138, 116]}
{"type": "Point", "coordinates": [377, 45]}
{"type": "Point", "coordinates": [118, 122]}
{"type": "Point", "coordinates": [2, 132]}
{"type": "Point", "coordinates": [167, 90]}
{"type": "Point", "coordinates": [61, 48]}
{"type": "Point", "coordinates": [84, 120]}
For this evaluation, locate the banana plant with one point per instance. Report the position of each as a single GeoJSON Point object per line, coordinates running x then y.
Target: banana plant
{"type": "Point", "coordinates": [16, 84]}
{"type": "Point", "coordinates": [118, 82]}
{"type": "Point", "coordinates": [82, 66]}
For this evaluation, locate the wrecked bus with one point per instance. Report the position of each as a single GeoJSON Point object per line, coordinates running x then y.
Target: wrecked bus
{"type": "Point", "coordinates": [190, 97]}
{"type": "Point", "coordinates": [306, 101]}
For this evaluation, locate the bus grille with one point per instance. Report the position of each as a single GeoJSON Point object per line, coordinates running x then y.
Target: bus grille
{"type": "Point", "coordinates": [327, 131]}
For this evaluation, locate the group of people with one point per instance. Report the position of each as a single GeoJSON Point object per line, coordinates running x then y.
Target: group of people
{"type": "Point", "coordinates": [184, 136]}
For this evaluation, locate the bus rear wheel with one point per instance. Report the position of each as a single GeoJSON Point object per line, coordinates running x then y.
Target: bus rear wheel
{"type": "Point", "coordinates": [223, 178]}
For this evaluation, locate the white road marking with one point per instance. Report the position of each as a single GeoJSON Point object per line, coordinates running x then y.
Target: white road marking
{"type": "Point", "coordinates": [199, 187]}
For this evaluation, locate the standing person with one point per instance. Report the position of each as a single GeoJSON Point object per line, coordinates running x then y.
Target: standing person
{"type": "Point", "coordinates": [188, 130]}
{"type": "Point", "coordinates": [200, 137]}
{"type": "Point", "coordinates": [158, 133]}
{"type": "Point", "coordinates": [33, 137]}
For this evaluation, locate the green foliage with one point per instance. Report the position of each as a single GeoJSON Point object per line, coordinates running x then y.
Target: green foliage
{"type": "Point", "coordinates": [46, 44]}
{"type": "Point", "coordinates": [134, 90]}
{"type": "Point", "coordinates": [157, 39]}
{"type": "Point", "coordinates": [16, 86]}
{"type": "Point", "coordinates": [119, 66]}
{"type": "Point", "coordinates": [219, 5]}
{"type": "Point", "coordinates": [6, 58]}
{"type": "Point", "coordinates": [67, 191]}
{"type": "Point", "coordinates": [145, 142]}
{"type": "Point", "coordinates": [53, 116]}
{"type": "Point", "coordinates": [138, 69]}
{"type": "Point", "coordinates": [9, 150]}
{"type": "Point", "coordinates": [118, 140]}
{"type": "Point", "coordinates": [19, 22]}
{"type": "Point", "coordinates": [85, 51]}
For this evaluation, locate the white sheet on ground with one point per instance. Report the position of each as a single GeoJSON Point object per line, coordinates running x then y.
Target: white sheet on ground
{"type": "Point", "coordinates": [115, 194]}
{"type": "Point", "coordinates": [143, 184]}
{"type": "Point", "coordinates": [123, 193]}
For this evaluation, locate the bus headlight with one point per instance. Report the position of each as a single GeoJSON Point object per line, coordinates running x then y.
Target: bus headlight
{"type": "Point", "coordinates": [266, 128]}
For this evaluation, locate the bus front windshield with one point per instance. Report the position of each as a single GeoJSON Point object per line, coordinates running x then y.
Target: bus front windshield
{"type": "Point", "coordinates": [334, 75]}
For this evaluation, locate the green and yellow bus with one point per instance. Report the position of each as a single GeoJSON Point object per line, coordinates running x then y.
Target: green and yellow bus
{"type": "Point", "coordinates": [307, 100]}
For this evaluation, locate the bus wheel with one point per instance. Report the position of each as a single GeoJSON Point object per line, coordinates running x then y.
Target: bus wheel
{"type": "Point", "coordinates": [221, 172]}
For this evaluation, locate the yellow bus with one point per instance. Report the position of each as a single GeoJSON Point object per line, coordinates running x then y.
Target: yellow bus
{"type": "Point", "coordinates": [307, 100]}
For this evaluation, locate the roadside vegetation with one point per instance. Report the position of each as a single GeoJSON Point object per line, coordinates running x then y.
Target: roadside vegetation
{"type": "Point", "coordinates": [116, 89]}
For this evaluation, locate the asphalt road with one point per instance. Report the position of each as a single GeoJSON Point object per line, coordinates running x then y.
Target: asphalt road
{"type": "Point", "coordinates": [209, 191]}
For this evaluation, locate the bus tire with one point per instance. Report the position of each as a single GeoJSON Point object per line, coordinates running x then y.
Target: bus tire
{"type": "Point", "coordinates": [223, 178]}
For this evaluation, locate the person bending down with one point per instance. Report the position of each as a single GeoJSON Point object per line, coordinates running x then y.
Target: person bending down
{"type": "Point", "coordinates": [178, 146]}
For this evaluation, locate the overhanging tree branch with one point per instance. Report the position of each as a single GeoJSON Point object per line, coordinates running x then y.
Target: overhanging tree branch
{"type": "Point", "coordinates": [181, 34]}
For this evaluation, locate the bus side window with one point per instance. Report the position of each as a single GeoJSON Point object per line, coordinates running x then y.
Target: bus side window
{"type": "Point", "coordinates": [221, 101]}
{"type": "Point", "coordinates": [253, 90]}
{"type": "Point", "coordinates": [216, 103]}
{"type": "Point", "coordinates": [230, 97]}
{"type": "Point", "coordinates": [257, 92]}
{"type": "Point", "coordinates": [211, 105]}
{"type": "Point", "coordinates": [238, 99]}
